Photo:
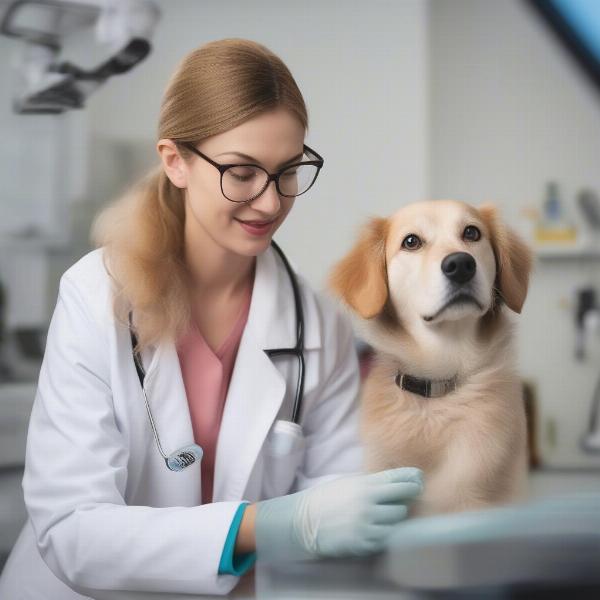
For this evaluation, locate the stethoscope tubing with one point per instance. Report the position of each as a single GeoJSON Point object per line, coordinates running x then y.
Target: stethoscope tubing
{"type": "Point", "coordinates": [298, 350]}
{"type": "Point", "coordinates": [187, 455]}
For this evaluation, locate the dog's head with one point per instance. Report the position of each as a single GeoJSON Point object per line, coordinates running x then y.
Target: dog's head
{"type": "Point", "coordinates": [435, 262]}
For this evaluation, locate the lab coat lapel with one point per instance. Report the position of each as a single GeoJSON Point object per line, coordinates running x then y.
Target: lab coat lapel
{"type": "Point", "coordinates": [255, 395]}
{"type": "Point", "coordinates": [257, 388]}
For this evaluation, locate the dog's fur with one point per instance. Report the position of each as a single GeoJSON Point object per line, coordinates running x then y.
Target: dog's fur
{"type": "Point", "coordinates": [471, 443]}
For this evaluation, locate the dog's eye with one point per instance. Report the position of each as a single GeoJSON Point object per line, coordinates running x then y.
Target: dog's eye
{"type": "Point", "coordinates": [471, 233]}
{"type": "Point", "coordinates": [411, 242]}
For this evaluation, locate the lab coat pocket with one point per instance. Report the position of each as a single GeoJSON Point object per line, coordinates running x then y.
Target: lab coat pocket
{"type": "Point", "coordinates": [283, 454]}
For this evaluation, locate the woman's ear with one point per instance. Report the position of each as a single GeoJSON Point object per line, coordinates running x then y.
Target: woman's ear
{"type": "Point", "coordinates": [172, 162]}
{"type": "Point", "coordinates": [513, 259]}
{"type": "Point", "coordinates": [360, 278]}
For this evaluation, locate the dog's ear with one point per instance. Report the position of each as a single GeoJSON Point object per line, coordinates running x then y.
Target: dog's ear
{"type": "Point", "coordinates": [513, 259]}
{"type": "Point", "coordinates": [360, 278]}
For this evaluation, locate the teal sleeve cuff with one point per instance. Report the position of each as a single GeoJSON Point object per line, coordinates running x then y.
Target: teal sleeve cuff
{"type": "Point", "coordinates": [240, 563]}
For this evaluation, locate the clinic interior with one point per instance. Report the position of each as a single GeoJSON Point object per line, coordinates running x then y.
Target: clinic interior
{"type": "Point", "coordinates": [473, 100]}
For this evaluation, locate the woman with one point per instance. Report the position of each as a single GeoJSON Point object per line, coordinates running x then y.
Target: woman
{"type": "Point", "coordinates": [186, 253]}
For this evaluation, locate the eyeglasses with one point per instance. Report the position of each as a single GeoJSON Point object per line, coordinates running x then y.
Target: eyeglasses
{"type": "Point", "coordinates": [245, 182]}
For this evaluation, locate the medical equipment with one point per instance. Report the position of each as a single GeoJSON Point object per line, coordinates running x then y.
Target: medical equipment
{"type": "Point", "coordinates": [46, 86]}
{"type": "Point", "coordinates": [548, 548]}
{"type": "Point", "coordinates": [543, 541]}
{"type": "Point", "coordinates": [590, 441]}
{"type": "Point", "coordinates": [285, 433]}
{"type": "Point", "coordinates": [351, 515]}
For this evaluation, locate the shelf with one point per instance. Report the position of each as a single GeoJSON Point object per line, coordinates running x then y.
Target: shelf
{"type": "Point", "coordinates": [551, 252]}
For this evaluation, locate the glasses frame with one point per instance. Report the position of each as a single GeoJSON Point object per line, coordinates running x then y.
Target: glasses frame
{"type": "Point", "coordinates": [222, 167]}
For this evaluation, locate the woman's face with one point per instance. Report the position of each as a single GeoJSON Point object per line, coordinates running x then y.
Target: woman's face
{"type": "Point", "coordinates": [271, 140]}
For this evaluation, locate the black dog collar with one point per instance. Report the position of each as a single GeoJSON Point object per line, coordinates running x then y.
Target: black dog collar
{"type": "Point", "coordinates": [430, 388]}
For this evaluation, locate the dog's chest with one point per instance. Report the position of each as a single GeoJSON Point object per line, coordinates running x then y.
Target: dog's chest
{"type": "Point", "coordinates": [398, 429]}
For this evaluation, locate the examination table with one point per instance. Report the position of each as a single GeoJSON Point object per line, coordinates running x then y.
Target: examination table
{"type": "Point", "coordinates": [544, 548]}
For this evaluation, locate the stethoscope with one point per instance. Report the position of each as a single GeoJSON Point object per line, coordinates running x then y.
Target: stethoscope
{"type": "Point", "coordinates": [285, 433]}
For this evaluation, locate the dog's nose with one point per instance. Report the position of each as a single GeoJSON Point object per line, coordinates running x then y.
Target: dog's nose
{"type": "Point", "coordinates": [459, 267]}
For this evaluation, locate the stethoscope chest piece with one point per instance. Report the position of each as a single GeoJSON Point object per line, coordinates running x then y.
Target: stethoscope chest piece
{"type": "Point", "coordinates": [182, 458]}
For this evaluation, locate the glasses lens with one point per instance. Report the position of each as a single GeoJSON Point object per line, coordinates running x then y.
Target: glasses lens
{"type": "Point", "coordinates": [296, 180]}
{"type": "Point", "coordinates": [241, 183]}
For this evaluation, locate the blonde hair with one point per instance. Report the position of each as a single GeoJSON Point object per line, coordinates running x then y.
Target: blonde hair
{"type": "Point", "coordinates": [215, 88]}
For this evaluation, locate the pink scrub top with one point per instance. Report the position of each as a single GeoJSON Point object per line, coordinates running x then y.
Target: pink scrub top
{"type": "Point", "coordinates": [206, 375]}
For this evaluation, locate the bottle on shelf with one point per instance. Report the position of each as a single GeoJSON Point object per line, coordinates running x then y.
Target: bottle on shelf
{"type": "Point", "coordinates": [555, 227]}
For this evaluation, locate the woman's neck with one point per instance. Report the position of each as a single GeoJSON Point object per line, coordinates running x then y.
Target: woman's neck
{"type": "Point", "coordinates": [215, 271]}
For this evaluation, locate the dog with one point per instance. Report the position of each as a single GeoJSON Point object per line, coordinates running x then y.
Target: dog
{"type": "Point", "coordinates": [429, 288]}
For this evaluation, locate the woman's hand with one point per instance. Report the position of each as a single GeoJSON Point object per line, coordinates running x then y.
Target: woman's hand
{"type": "Point", "coordinates": [351, 515]}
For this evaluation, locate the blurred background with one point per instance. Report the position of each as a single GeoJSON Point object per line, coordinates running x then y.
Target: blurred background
{"type": "Point", "coordinates": [477, 100]}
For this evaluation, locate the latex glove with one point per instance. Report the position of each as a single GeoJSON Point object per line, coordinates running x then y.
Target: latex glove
{"type": "Point", "coordinates": [351, 515]}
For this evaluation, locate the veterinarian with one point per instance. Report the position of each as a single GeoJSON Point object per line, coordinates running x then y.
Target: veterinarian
{"type": "Point", "coordinates": [163, 452]}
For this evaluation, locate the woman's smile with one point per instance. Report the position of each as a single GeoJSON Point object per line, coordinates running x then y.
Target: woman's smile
{"type": "Point", "coordinates": [257, 227]}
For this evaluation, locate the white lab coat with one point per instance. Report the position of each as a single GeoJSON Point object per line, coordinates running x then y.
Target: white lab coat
{"type": "Point", "coordinates": [105, 513]}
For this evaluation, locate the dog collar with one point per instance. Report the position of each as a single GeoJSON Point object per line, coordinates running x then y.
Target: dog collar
{"type": "Point", "coordinates": [430, 388]}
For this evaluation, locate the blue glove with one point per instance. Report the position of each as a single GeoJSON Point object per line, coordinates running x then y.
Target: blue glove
{"type": "Point", "coordinates": [351, 515]}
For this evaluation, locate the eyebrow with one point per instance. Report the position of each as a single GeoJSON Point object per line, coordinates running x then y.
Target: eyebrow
{"type": "Point", "coordinates": [255, 160]}
{"type": "Point", "coordinates": [472, 220]}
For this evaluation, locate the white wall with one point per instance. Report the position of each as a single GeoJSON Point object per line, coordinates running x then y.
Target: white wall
{"type": "Point", "coordinates": [362, 68]}
{"type": "Point", "coordinates": [42, 167]}
{"type": "Point", "coordinates": [510, 111]}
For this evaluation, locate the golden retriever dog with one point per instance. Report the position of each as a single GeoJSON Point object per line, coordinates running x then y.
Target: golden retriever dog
{"type": "Point", "coordinates": [429, 289]}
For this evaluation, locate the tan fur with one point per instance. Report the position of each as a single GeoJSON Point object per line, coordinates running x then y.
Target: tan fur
{"type": "Point", "coordinates": [471, 443]}
{"type": "Point", "coordinates": [360, 276]}
{"type": "Point", "coordinates": [514, 260]}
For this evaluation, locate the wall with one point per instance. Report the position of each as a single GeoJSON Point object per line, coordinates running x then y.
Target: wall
{"type": "Point", "coordinates": [510, 111]}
